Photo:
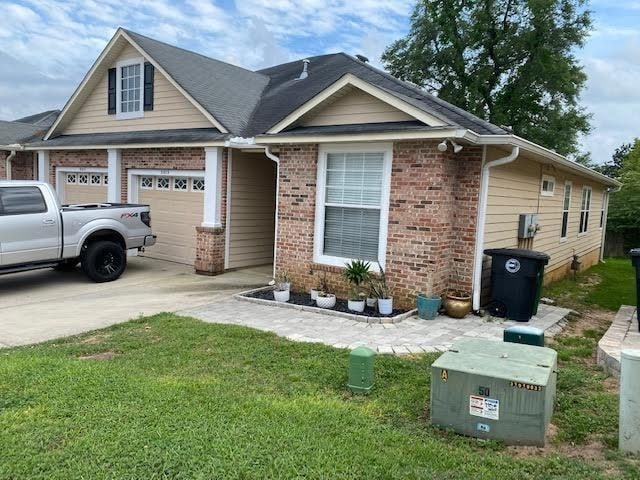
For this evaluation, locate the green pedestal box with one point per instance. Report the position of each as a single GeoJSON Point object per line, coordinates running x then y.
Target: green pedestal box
{"type": "Point", "coordinates": [495, 390]}
{"type": "Point", "coordinates": [526, 335]}
{"type": "Point", "coordinates": [361, 370]}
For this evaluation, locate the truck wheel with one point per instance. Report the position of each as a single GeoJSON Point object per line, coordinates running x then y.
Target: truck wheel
{"type": "Point", "coordinates": [104, 261]}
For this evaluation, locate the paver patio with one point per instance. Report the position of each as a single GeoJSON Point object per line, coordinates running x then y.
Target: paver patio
{"type": "Point", "coordinates": [412, 335]}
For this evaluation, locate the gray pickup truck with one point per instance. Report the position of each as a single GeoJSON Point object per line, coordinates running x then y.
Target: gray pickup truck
{"type": "Point", "coordinates": [36, 231]}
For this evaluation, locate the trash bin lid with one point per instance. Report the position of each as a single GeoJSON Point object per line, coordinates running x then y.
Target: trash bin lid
{"type": "Point", "coordinates": [635, 252]}
{"type": "Point", "coordinates": [519, 252]}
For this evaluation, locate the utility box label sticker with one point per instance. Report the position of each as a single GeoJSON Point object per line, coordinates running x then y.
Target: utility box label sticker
{"type": "Point", "coordinates": [484, 407]}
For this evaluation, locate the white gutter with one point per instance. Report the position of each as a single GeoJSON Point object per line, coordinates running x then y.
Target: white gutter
{"type": "Point", "coordinates": [482, 215]}
{"type": "Point", "coordinates": [276, 159]}
{"type": "Point", "coordinates": [8, 164]}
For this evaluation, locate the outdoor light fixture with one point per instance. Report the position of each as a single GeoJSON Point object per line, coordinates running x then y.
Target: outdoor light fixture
{"type": "Point", "coordinates": [442, 146]}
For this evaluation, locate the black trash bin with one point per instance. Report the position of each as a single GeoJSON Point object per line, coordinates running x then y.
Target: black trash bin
{"type": "Point", "coordinates": [516, 282]}
{"type": "Point", "coordinates": [635, 261]}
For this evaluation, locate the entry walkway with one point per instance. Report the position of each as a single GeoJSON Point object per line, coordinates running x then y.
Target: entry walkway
{"type": "Point", "coordinates": [412, 335]}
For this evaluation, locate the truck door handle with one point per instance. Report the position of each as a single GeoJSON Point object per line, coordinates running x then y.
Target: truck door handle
{"type": "Point", "coordinates": [48, 221]}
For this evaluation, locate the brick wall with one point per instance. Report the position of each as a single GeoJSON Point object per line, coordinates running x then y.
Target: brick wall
{"type": "Point", "coordinates": [75, 158]}
{"type": "Point", "coordinates": [21, 165]}
{"type": "Point", "coordinates": [432, 219]}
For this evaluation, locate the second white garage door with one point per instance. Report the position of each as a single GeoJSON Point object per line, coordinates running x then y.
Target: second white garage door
{"type": "Point", "coordinates": [84, 187]}
{"type": "Point", "coordinates": [177, 205]}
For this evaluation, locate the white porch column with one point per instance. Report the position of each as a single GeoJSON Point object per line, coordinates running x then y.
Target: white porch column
{"type": "Point", "coordinates": [212, 186]}
{"type": "Point", "coordinates": [43, 166]}
{"type": "Point", "coordinates": [114, 170]}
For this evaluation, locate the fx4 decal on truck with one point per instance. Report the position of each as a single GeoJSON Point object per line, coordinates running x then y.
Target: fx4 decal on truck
{"type": "Point", "coordinates": [129, 215]}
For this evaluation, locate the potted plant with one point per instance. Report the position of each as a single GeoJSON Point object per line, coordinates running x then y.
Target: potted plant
{"type": "Point", "coordinates": [428, 304]}
{"type": "Point", "coordinates": [457, 303]}
{"type": "Point", "coordinates": [371, 294]}
{"type": "Point", "coordinates": [383, 294]}
{"type": "Point", "coordinates": [325, 298]}
{"type": "Point", "coordinates": [314, 290]}
{"type": "Point", "coordinates": [282, 288]}
{"type": "Point", "coordinates": [356, 273]}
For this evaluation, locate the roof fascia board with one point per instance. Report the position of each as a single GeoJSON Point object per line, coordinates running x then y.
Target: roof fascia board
{"type": "Point", "coordinates": [360, 137]}
{"type": "Point", "coordinates": [514, 140]}
{"type": "Point", "coordinates": [350, 79]}
{"type": "Point", "coordinates": [125, 146]}
{"type": "Point", "coordinates": [202, 110]}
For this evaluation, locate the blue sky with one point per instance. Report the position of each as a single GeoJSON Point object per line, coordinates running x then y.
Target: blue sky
{"type": "Point", "coordinates": [46, 46]}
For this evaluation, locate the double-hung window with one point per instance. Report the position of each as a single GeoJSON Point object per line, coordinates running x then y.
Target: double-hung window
{"type": "Point", "coordinates": [605, 194]}
{"type": "Point", "coordinates": [352, 204]}
{"type": "Point", "coordinates": [585, 206]}
{"type": "Point", "coordinates": [129, 88]}
{"type": "Point", "coordinates": [566, 206]}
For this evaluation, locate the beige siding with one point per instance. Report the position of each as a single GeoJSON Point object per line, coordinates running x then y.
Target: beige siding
{"type": "Point", "coordinates": [355, 107]}
{"type": "Point", "coordinates": [515, 188]}
{"type": "Point", "coordinates": [171, 109]}
{"type": "Point", "coordinates": [174, 217]}
{"type": "Point", "coordinates": [253, 189]}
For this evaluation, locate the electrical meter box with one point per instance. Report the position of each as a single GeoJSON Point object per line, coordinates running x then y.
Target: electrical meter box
{"type": "Point", "coordinates": [528, 225]}
{"type": "Point", "coordinates": [495, 390]}
{"type": "Point", "coordinates": [361, 370]}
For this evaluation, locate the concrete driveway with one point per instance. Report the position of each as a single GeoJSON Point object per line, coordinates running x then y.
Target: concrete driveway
{"type": "Point", "coordinates": [45, 304]}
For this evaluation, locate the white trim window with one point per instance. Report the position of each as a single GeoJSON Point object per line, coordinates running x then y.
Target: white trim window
{"type": "Point", "coordinates": [146, 183]}
{"type": "Point", "coordinates": [129, 88]}
{"type": "Point", "coordinates": [566, 207]}
{"type": "Point", "coordinates": [547, 185]}
{"type": "Point", "coordinates": [83, 179]}
{"type": "Point", "coordinates": [163, 183]}
{"type": "Point", "coordinates": [71, 178]}
{"type": "Point", "coordinates": [603, 207]}
{"type": "Point", "coordinates": [585, 206]}
{"type": "Point", "coordinates": [96, 179]}
{"type": "Point", "coordinates": [180, 184]}
{"type": "Point", "coordinates": [352, 206]}
{"type": "Point", "coordinates": [197, 184]}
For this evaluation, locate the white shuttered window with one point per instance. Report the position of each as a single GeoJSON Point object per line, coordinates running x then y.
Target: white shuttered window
{"type": "Point", "coordinates": [352, 205]}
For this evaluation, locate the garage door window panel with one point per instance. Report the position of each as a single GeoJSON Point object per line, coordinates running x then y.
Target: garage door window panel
{"type": "Point", "coordinates": [71, 178]}
{"type": "Point", "coordinates": [146, 183]}
{"type": "Point", "coordinates": [163, 183]}
{"type": "Point", "coordinates": [180, 184]}
{"type": "Point", "coordinates": [197, 184]}
{"type": "Point", "coordinates": [96, 179]}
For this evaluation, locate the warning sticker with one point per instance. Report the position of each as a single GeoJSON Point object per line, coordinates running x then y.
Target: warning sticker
{"type": "Point", "coordinates": [484, 407]}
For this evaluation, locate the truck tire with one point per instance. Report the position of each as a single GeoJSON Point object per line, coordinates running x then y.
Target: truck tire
{"type": "Point", "coordinates": [104, 261]}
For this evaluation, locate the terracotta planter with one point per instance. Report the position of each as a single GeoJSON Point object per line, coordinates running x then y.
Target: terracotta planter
{"type": "Point", "coordinates": [326, 302]}
{"type": "Point", "coordinates": [457, 306]}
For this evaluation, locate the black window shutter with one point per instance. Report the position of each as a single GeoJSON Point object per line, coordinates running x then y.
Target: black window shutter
{"type": "Point", "coordinates": [148, 86]}
{"type": "Point", "coordinates": [111, 92]}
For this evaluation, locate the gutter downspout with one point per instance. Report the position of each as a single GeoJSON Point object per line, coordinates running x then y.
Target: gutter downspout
{"type": "Point", "coordinates": [8, 164]}
{"type": "Point", "coordinates": [276, 159]}
{"type": "Point", "coordinates": [482, 215]}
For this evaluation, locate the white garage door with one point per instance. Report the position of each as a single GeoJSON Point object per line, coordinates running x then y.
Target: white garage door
{"type": "Point", "coordinates": [177, 205]}
{"type": "Point", "coordinates": [85, 187]}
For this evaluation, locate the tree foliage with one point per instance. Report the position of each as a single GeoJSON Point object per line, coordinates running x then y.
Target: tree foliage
{"type": "Point", "coordinates": [624, 207]}
{"type": "Point", "coordinates": [510, 62]}
{"type": "Point", "coordinates": [612, 168]}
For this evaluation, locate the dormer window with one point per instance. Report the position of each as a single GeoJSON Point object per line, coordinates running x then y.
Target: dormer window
{"type": "Point", "coordinates": [129, 92]}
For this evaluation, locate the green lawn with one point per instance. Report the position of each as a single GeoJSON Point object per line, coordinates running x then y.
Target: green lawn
{"type": "Point", "coordinates": [606, 285]}
{"type": "Point", "coordinates": [185, 399]}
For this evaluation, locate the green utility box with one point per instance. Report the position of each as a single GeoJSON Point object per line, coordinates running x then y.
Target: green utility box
{"type": "Point", "coordinates": [526, 335]}
{"type": "Point", "coordinates": [495, 390]}
{"type": "Point", "coordinates": [361, 370]}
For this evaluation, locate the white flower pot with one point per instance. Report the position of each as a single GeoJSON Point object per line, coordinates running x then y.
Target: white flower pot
{"type": "Point", "coordinates": [326, 302]}
{"type": "Point", "coordinates": [284, 286]}
{"type": "Point", "coordinates": [281, 295]}
{"type": "Point", "coordinates": [314, 293]}
{"type": "Point", "coordinates": [356, 305]}
{"type": "Point", "coordinates": [371, 302]}
{"type": "Point", "coordinates": [385, 306]}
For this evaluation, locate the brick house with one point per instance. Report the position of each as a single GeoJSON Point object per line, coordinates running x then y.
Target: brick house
{"type": "Point", "coordinates": [304, 166]}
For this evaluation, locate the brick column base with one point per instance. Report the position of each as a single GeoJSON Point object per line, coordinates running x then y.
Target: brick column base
{"type": "Point", "coordinates": [209, 250]}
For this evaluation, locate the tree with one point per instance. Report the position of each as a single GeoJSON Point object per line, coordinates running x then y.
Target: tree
{"type": "Point", "coordinates": [624, 208]}
{"type": "Point", "coordinates": [612, 168]}
{"type": "Point", "coordinates": [510, 62]}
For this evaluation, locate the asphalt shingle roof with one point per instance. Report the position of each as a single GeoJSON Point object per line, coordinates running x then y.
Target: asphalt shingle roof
{"type": "Point", "coordinates": [17, 132]}
{"type": "Point", "coordinates": [229, 93]}
{"type": "Point", "coordinates": [42, 119]}
{"type": "Point", "coordinates": [123, 138]}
